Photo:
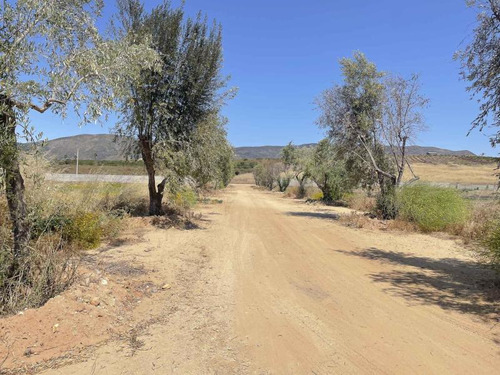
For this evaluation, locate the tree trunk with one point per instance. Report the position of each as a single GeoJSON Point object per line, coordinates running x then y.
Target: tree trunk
{"type": "Point", "coordinates": [401, 167]}
{"type": "Point", "coordinates": [386, 202]}
{"type": "Point", "coordinates": [155, 193]}
{"type": "Point", "coordinates": [14, 187]}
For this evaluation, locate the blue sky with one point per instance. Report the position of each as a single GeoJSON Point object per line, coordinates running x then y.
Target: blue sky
{"type": "Point", "coordinates": [282, 53]}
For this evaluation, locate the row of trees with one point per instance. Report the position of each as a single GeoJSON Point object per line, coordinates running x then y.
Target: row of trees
{"type": "Point", "coordinates": [371, 118]}
{"type": "Point", "coordinates": [160, 70]}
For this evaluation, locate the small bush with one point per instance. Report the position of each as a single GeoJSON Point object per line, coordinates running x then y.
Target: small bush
{"type": "Point", "coordinates": [432, 208]}
{"type": "Point", "coordinates": [479, 223]}
{"type": "Point", "coordinates": [84, 229]}
{"type": "Point", "coordinates": [47, 271]}
{"type": "Point", "coordinates": [111, 226]}
{"type": "Point", "coordinates": [283, 181]}
{"type": "Point", "coordinates": [359, 201]}
{"type": "Point", "coordinates": [292, 192]}
{"type": "Point", "coordinates": [317, 196]}
{"type": "Point", "coordinates": [184, 199]}
{"type": "Point", "coordinates": [492, 244]}
{"type": "Point", "coordinates": [355, 220]}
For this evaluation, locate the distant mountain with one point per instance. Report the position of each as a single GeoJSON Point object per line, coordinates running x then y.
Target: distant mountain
{"type": "Point", "coordinates": [262, 152]}
{"type": "Point", "coordinates": [424, 150]}
{"type": "Point", "coordinates": [273, 152]}
{"type": "Point", "coordinates": [103, 147]}
{"type": "Point", "coordinates": [90, 146]}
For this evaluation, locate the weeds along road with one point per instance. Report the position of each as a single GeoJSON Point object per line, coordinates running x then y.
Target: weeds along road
{"type": "Point", "coordinates": [285, 289]}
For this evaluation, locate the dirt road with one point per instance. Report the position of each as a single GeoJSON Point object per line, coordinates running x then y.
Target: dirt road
{"type": "Point", "coordinates": [274, 286]}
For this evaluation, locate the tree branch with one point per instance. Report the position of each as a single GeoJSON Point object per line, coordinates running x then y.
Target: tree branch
{"type": "Point", "coordinates": [49, 103]}
{"type": "Point", "coordinates": [374, 163]}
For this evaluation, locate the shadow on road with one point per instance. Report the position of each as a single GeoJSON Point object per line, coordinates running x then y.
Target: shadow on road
{"type": "Point", "coordinates": [319, 215]}
{"type": "Point", "coordinates": [452, 284]}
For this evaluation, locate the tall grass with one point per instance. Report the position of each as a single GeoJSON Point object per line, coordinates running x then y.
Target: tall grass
{"type": "Point", "coordinates": [432, 208]}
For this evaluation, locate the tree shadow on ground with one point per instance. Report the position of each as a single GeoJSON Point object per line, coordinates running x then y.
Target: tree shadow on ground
{"type": "Point", "coordinates": [452, 284]}
{"type": "Point", "coordinates": [319, 215]}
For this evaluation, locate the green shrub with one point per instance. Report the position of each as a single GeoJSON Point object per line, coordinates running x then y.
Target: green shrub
{"type": "Point", "coordinates": [185, 199]}
{"type": "Point", "coordinates": [51, 224]}
{"type": "Point", "coordinates": [432, 208]}
{"type": "Point", "coordinates": [317, 196]}
{"type": "Point", "coordinates": [84, 229]}
{"type": "Point", "coordinates": [492, 243]}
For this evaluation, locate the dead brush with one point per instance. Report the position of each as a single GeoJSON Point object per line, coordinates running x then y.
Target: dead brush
{"type": "Point", "coordinates": [355, 220]}
{"type": "Point", "coordinates": [292, 192]}
{"type": "Point", "coordinates": [401, 225]}
{"type": "Point", "coordinates": [360, 201]}
{"type": "Point", "coordinates": [48, 269]}
{"type": "Point", "coordinates": [478, 225]}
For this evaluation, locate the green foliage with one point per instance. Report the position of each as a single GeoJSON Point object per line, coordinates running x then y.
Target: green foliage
{"type": "Point", "coordinates": [328, 171]}
{"type": "Point", "coordinates": [244, 166]}
{"type": "Point", "coordinates": [184, 199]}
{"type": "Point", "coordinates": [492, 243]}
{"type": "Point", "coordinates": [54, 223]}
{"type": "Point", "coordinates": [84, 229]}
{"type": "Point", "coordinates": [267, 173]}
{"type": "Point", "coordinates": [317, 195]}
{"type": "Point", "coordinates": [59, 43]}
{"type": "Point", "coordinates": [210, 154]}
{"type": "Point", "coordinates": [386, 204]}
{"type": "Point", "coordinates": [350, 111]}
{"type": "Point", "coordinates": [290, 155]}
{"type": "Point", "coordinates": [283, 181]}
{"type": "Point", "coordinates": [432, 208]}
{"type": "Point", "coordinates": [176, 105]}
{"type": "Point", "coordinates": [481, 65]}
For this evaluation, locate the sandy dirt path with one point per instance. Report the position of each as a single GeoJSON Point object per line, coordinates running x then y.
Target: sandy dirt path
{"type": "Point", "coordinates": [274, 286]}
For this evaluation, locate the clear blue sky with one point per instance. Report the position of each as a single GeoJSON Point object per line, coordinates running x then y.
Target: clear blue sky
{"type": "Point", "coordinates": [282, 53]}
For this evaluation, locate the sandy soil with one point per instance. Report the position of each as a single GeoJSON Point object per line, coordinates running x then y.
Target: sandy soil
{"type": "Point", "coordinates": [268, 285]}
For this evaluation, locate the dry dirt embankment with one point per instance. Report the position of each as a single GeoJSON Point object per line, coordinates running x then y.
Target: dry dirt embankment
{"type": "Point", "coordinates": [272, 286]}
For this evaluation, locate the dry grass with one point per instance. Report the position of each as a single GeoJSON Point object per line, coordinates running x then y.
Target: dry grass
{"type": "Point", "coordinates": [360, 201]}
{"type": "Point", "coordinates": [133, 169]}
{"type": "Point", "coordinates": [65, 219]}
{"type": "Point", "coordinates": [356, 220]}
{"type": "Point", "coordinates": [245, 178]}
{"type": "Point", "coordinates": [477, 227]}
{"type": "Point", "coordinates": [480, 174]}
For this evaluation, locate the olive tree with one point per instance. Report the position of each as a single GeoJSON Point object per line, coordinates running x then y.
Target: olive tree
{"type": "Point", "coordinates": [351, 113]}
{"type": "Point", "coordinates": [211, 154]}
{"type": "Point", "coordinates": [365, 116]}
{"type": "Point", "coordinates": [481, 65]}
{"type": "Point", "coordinates": [53, 58]}
{"type": "Point", "coordinates": [297, 160]}
{"type": "Point", "coordinates": [267, 173]}
{"type": "Point", "coordinates": [169, 103]}
{"type": "Point", "coordinates": [327, 169]}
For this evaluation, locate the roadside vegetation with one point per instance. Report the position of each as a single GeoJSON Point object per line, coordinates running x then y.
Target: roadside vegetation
{"type": "Point", "coordinates": [420, 206]}
{"type": "Point", "coordinates": [160, 70]}
{"type": "Point", "coordinates": [370, 119]}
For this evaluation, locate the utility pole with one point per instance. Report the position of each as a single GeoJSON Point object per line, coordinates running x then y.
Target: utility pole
{"type": "Point", "coordinates": [77, 157]}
